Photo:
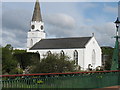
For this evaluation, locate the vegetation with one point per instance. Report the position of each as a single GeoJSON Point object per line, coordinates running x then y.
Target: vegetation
{"type": "Point", "coordinates": [107, 54]}
{"type": "Point", "coordinates": [15, 61]}
{"type": "Point", "coordinates": [27, 59]}
{"type": "Point", "coordinates": [8, 61]}
{"type": "Point", "coordinates": [54, 63]}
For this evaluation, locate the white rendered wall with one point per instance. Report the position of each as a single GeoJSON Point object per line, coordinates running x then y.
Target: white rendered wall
{"type": "Point", "coordinates": [92, 45]}
{"type": "Point", "coordinates": [84, 54]}
{"type": "Point", "coordinates": [36, 34]}
{"type": "Point", "coordinates": [68, 52]}
{"type": "Point", "coordinates": [37, 25]}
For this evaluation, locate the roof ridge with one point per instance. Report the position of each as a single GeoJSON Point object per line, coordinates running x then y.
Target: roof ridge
{"type": "Point", "coordinates": [67, 38]}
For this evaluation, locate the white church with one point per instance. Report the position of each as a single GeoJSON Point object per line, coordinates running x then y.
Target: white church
{"type": "Point", "coordinates": [84, 51]}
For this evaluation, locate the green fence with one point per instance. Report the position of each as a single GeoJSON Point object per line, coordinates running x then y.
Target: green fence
{"type": "Point", "coordinates": [97, 79]}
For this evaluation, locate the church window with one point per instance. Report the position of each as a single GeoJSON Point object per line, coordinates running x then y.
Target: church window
{"type": "Point", "coordinates": [31, 42]}
{"type": "Point", "coordinates": [93, 57]}
{"type": "Point", "coordinates": [75, 57]}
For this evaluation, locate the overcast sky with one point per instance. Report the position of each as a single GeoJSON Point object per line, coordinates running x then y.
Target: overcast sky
{"type": "Point", "coordinates": [61, 19]}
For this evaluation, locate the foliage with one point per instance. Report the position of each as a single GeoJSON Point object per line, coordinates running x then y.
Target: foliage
{"type": "Point", "coordinates": [54, 63]}
{"type": "Point", "coordinates": [26, 58]}
{"type": "Point", "coordinates": [17, 71]}
{"type": "Point", "coordinates": [8, 62]}
{"type": "Point", "coordinates": [11, 58]}
{"type": "Point", "coordinates": [108, 51]}
{"type": "Point", "coordinates": [16, 51]}
{"type": "Point", "coordinates": [9, 46]}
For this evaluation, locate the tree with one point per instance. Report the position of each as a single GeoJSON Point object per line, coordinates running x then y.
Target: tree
{"type": "Point", "coordinates": [108, 53]}
{"type": "Point", "coordinates": [17, 51]}
{"type": "Point", "coordinates": [26, 58]}
{"type": "Point", "coordinates": [8, 62]}
{"type": "Point", "coordinates": [9, 46]}
{"type": "Point", "coordinates": [12, 59]}
{"type": "Point", "coordinates": [54, 63]}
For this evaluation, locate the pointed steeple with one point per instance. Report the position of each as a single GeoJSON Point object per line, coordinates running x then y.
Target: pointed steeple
{"type": "Point", "coordinates": [37, 13]}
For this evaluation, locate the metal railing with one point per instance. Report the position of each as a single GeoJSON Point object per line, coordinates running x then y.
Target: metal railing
{"type": "Point", "coordinates": [96, 79]}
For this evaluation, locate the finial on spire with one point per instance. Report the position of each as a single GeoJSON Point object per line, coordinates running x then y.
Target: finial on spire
{"type": "Point", "coordinates": [92, 34]}
{"type": "Point", "coordinates": [37, 13]}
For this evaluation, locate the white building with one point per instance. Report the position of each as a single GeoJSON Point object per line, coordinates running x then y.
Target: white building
{"type": "Point", "coordinates": [84, 50]}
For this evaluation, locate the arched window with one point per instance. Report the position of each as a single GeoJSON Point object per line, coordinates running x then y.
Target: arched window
{"type": "Point", "coordinates": [38, 54]}
{"type": "Point", "coordinates": [93, 57]}
{"type": "Point", "coordinates": [62, 53]}
{"type": "Point", "coordinates": [76, 57]}
{"type": "Point", "coordinates": [49, 53]}
{"type": "Point", "coordinates": [31, 42]}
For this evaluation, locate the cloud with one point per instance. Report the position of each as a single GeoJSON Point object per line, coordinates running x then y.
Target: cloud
{"type": "Point", "coordinates": [15, 18]}
{"type": "Point", "coordinates": [15, 25]}
{"type": "Point", "coordinates": [104, 33]}
{"type": "Point", "coordinates": [110, 9]}
{"type": "Point", "coordinates": [69, 23]}
{"type": "Point", "coordinates": [59, 25]}
{"type": "Point", "coordinates": [61, 20]}
{"type": "Point", "coordinates": [16, 38]}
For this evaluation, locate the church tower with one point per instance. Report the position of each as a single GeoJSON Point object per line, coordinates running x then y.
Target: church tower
{"type": "Point", "coordinates": [36, 33]}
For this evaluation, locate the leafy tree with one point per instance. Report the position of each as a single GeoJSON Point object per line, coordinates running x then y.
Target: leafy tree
{"type": "Point", "coordinates": [17, 51]}
{"type": "Point", "coordinates": [54, 63]}
{"type": "Point", "coordinates": [12, 58]}
{"type": "Point", "coordinates": [8, 62]}
{"type": "Point", "coordinates": [9, 46]}
{"type": "Point", "coordinates": [26, 58]}
{"type": "Point", "coordinates": [108, 51]}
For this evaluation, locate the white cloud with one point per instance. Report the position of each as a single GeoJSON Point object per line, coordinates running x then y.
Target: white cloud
{"type": "Point", "coordinates": [60, 25]}
{"type": "Point", "coordinates": [69, 23]}
{"type": "Point", "coordinates": [15, 24]}
{"type": "Point", "coordinates": [16, 38]}
{"type": "Point", "coordinates": [110, 9]}
{"type": "Point", "coordinates": [104, 33]}
{"type": "Point", "coordinates": [61, 20]}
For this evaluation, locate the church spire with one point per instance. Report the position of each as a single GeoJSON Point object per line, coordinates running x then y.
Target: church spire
{"type": "Point", "coordinates": [37, 13]}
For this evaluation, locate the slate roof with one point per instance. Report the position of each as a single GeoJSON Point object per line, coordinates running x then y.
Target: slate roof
{"type": "Point", "coordinates": [37, 13]}
{"type": "Point", "coordinates": [61, 43]}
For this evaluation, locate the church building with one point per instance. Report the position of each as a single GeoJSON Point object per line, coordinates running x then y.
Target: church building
{"type": "Point", "coordinates": [85, 51]}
